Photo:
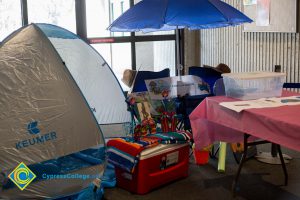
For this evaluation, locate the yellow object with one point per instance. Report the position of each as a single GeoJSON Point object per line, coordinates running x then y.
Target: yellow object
{"type": "Point", "coordinates": [222, 157]}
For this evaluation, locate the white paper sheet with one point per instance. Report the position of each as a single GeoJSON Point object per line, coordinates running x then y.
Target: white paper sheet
{"type": "Point", "coordinates": [239, 106]}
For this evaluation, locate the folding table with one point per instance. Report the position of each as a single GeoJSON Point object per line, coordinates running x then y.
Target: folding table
{"type": "Point", "coordinates": [211, 122]}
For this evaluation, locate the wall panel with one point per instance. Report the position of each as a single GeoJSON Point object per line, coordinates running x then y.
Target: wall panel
{"type": "Point", "coordinates": [250, 51]}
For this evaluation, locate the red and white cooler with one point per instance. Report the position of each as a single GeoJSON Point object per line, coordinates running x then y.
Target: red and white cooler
{"type": "Point", "coordinates": [157, 166]}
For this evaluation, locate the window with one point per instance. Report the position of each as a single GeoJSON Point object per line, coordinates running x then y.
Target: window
{"type": "Point", "coordinates": [117, 56]}
{"type": "Point", "coordinates": [61, 13]}
{"type": "Point", "coordinates": [10, 17]}
{"type": "Point", "coordinates": [99, 15]}
{"type": "Point", "coordinates": [151, 51]}
{"type": "Point", "coordinates": [156, 56]}
{"type": "Point", "coordinates": [139, 51]}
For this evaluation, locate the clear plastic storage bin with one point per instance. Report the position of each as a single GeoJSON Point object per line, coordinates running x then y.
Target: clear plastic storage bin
{"type": "Point", "coordinates": [253, 85]}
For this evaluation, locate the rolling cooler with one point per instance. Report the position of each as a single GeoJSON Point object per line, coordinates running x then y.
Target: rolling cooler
{"type": "Point", "coordinates": [157, 166]}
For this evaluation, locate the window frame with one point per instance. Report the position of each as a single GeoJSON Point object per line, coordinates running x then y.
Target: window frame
{"type": "Point", "coordinates": [81, 30]}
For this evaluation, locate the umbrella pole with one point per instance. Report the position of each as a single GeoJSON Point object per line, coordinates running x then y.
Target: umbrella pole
{"type": "Point", "coordinates": [178, 64]}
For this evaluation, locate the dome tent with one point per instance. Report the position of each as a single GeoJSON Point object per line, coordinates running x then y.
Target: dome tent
{"type": "Point", "coordinates": [94, 77]}
{"type": "Point", "coordinates": [46, 120]}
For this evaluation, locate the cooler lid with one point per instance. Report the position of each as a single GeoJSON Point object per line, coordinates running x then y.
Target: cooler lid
{"type": "Point", "coordinates": [160, 149]}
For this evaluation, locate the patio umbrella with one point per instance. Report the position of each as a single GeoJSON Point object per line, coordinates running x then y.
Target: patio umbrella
{"type": "Point", "coordinates": [164, 15]}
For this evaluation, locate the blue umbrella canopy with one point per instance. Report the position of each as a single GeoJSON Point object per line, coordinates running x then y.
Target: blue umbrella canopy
{"type": "Point", "coordinates": [163, 15]}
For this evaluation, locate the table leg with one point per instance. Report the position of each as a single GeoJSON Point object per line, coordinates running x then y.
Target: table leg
{"type": "Point", "coordinates": [283, 165]}
{"type": "Point", "coordinates": [243, 159]}
{"type": "Point", "coordinates": [213, 153]}
{"type": "Point", "coordinates": [244, 156]}
{"type": "Point", "coordinates": [274, 149]}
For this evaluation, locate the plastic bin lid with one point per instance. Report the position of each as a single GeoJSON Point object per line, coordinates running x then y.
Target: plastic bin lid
{"type": "Point", "coordinates": [253, 75]}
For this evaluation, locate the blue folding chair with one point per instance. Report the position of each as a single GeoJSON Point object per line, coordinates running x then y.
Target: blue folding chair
{"type": "Point", "coordinates": [189, 103]}
{"type": "Point", "coordinates": [139, 84]}
{"type": "Point", "coordinates": [291, 85]}
{"type": "Point", "coordinates": [208, 75]}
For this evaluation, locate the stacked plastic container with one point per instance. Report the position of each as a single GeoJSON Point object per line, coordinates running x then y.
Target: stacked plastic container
{"type": "Point", "coordinates": [253, 85]}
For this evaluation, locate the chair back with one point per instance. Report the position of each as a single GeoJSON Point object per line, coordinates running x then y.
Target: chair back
{"type": "Point", "coordinates": [291, 85]}
{"type": "Point", "coordinates": [295, 87]}
{"type": "Point", "coordinates": [209, 75]}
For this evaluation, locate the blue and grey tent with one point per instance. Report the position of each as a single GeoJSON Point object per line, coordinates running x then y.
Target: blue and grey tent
{"type": "Point", "coordinates": [94, 77]}
{"type": "Point", "coordinates": [55, 90]}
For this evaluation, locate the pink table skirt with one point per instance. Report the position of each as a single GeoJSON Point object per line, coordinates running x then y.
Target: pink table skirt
{"type": "Point", "coordinates": [210, 122]}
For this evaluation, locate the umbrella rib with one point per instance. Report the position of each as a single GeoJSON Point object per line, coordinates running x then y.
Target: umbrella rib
{"type": "Point", "coordinates": [219, 11]}
{"type": "Point", "coordinates": [166, 10]}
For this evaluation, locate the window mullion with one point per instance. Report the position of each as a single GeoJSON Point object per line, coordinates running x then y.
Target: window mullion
{"type": "Point", "coordinates": [24, 11]}
{"type": "Point", "coordinates": [80, 12]}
